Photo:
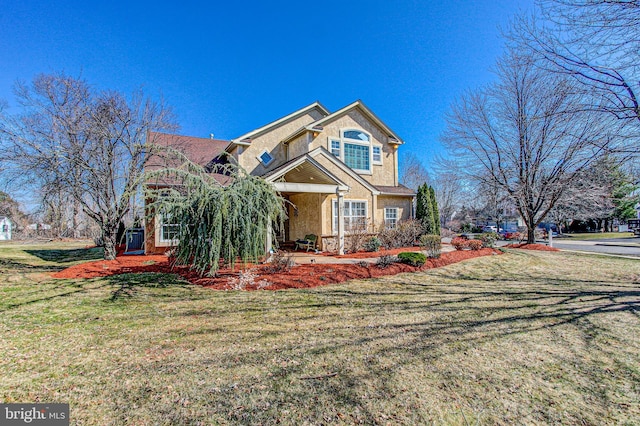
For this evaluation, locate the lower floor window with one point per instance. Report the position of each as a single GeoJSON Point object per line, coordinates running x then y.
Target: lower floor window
{"type": "Point", "coordinates": [355, 215]}
{"type": "Point", "coordinates": [390, 217]}
{"type": "Point", "coordinates": [168, 231]}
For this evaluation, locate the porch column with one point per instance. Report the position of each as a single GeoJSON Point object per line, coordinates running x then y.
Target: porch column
{"type": "Point", "coordinates": [269, 242]}
{"type": "Point", "coordinates": [340, 195]}
{"type": "Point", "coordinates": [374, 208]}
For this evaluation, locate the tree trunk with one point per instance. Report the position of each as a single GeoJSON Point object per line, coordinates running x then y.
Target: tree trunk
{"type": "Point", "coordinates": [531, 231]}
{"type": "Point", "coordinates": [74, 220]}
{"type": "Point", "coordinates": [109, 240]}
{"type": "Point", "coordinates": [598, 225]}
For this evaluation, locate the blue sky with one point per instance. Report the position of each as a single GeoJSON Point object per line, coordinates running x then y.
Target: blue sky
{"type": "Point", "coordinates": [229, 67]}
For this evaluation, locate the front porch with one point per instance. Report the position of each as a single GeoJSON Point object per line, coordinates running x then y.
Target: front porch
{"type": "Point", "coordinates": [309, 190]}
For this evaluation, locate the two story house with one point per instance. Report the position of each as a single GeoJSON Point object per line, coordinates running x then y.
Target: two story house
{"type": "Point", "coordinates": [337, 170]}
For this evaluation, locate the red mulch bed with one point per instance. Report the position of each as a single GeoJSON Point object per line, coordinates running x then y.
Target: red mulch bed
{"type": "Point", "coordinates": [538, 247]}
{"type": "Point", "coordinates": [369, 254]}
{"type": "Point", "coordinates": [302, 276]}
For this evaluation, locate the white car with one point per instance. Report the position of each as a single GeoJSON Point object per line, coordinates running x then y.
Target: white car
{"type": "Point", "coordinates": [490, 229]}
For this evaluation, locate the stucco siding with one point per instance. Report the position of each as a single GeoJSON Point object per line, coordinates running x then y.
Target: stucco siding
{"type": "Point", "coordinates": [384, 174]}
{"type": "Point", "coordinates": [299, 145]}
{"type": "Point", "coordinates": [403, 204]}
{"type": "Point", "coordinates": [271, 142]}
{"type": "Point", "coordinates": [303, 215]}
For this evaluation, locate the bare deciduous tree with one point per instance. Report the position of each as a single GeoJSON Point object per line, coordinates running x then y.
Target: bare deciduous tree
{"type": "Point", "coordinates": [449, 193]}
{"type": "Point", "coordinates": [412, 172]}
{"type": "Point", "coordinates": [597, 43]}
{"type": "Point", "coordinates": [88, 145]}
{"type": "Point", "coordinates": [525, 136]}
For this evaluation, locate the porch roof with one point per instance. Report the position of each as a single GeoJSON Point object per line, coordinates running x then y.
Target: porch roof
{"type": "Point", "coordinates": [396, 190]}
{"type": "Point", "coordinates": [304, 174]}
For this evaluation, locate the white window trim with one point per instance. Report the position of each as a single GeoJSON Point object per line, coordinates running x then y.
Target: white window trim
{"type": "Point", "coordinates": [161, 226]}
{"type": "Point", "coordinates": [334, 204]}
{"type": "Point", "coordinates": [376, 163]}
{"type": "Point", "coordinates": [259, 157]}
{"type": "Point", "coordinates": [159, 241]}
{"type": "Point", "coordinates": [342, 139]}
{"type": "Point", "coordinates": [331, 140]}
{"type": "Point", "coordinates": [397, 218]}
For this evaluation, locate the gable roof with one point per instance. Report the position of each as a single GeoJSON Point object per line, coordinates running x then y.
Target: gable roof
{"type": "Point", "coordinates": [317, 125]}
{"type": "Point", "coordinates": [348, 170]}
{"type": "Point", "coordinates": [199, 150]}
{"type": "Point", "coordinates": [295, 163]}
{"type": "Point", "coordinates": [246, 138]}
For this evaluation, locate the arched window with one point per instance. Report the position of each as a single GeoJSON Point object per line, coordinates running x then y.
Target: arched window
{"type": "Point", "coordinates": [355, 134]}
{"type": "Point", "coordinates": [354, 147]}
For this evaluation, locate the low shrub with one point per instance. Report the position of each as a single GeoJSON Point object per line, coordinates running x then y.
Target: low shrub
{"type": "Point", "coordinates": [247, 278]}
{"type": "Point", "coordinates": [432, 244]}
{"type": "Point", "coordinates": [385, 261]}
{"type": "Point", "coordinates": [459, 243]}
{"type": "Point", "coordinates": [373, 244]}
{"type": "Point", "coordinates": [474, 244]}
{"type": "Point", "coordinates": [280, 262]}
{"type": "Point", "coordinates": [488, 239]}
{"type": "Point", "coordinates": [403, 235]}
{"type": "Point", "coordinates": [358, 235]}
{"type": "Point", "coordinates": [447, 233]}
{"type": "Point", "coordinates": [412, 258]}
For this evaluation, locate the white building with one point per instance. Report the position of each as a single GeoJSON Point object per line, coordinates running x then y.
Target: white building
{"type": "Point", "coordinates": [5, 229]}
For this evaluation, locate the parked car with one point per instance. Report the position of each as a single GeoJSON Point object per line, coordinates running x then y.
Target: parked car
{"type": "Point", "coordinates": [490, 228]}
{"type": "Point", "coordinates": [509, 234]}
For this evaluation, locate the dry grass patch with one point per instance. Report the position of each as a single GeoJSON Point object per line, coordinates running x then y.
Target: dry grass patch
{"type": "Point", "coordinates": [527, 337]}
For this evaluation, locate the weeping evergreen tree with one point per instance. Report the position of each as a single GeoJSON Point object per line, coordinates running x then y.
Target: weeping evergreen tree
{"type": "Point", "coordinates": [424, 210]}
{"type": "Point", "coordinates": [434, 211]}
{"type": "Point", "coordinates": [218, 224]}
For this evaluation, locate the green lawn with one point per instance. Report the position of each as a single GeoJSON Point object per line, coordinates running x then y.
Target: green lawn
{"type": "Point", "coordinates": [521, 338]}
{"type": "Point", "coordinates": [600, 235]}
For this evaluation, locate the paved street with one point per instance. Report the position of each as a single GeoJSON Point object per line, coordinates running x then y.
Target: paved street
{"type": "Point", "coordinates": [619, 246]}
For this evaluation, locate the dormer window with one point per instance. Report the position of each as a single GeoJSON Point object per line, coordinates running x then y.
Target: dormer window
{"type": "Point", "coordinates": [266, 158]}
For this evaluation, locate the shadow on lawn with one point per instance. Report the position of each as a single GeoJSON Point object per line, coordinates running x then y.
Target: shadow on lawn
{"type": "Point", "coordinates": [11, 266]}
{"type": "Point", "coordinates": [131, 284]}
{"type": "Point", "coordinates": [384, 332]}
{"type": "Point", "coordinates": [68, 255]}
{"type": "Point", "coordinates": [60, 289]}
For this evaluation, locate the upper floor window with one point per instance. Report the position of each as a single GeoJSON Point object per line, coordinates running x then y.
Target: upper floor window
{"type": "Point", "coordinates": [356, 150]}
{"type": "Point", "coordinates": [377, 154]}
{"type": "Point", "coordinates": [265, 158]}
{"type": "Point", "coordinates": [357, 157]}
{"type": "Point", "coordinates": [355, 134]}
{"type": "Point", "coordinates": [335, 147]}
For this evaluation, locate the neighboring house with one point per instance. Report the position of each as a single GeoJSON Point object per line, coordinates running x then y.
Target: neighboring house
{"type": "Point", "coordinates": [5, 228]}
{"type": "Point", "coordinates": [336, 170]}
